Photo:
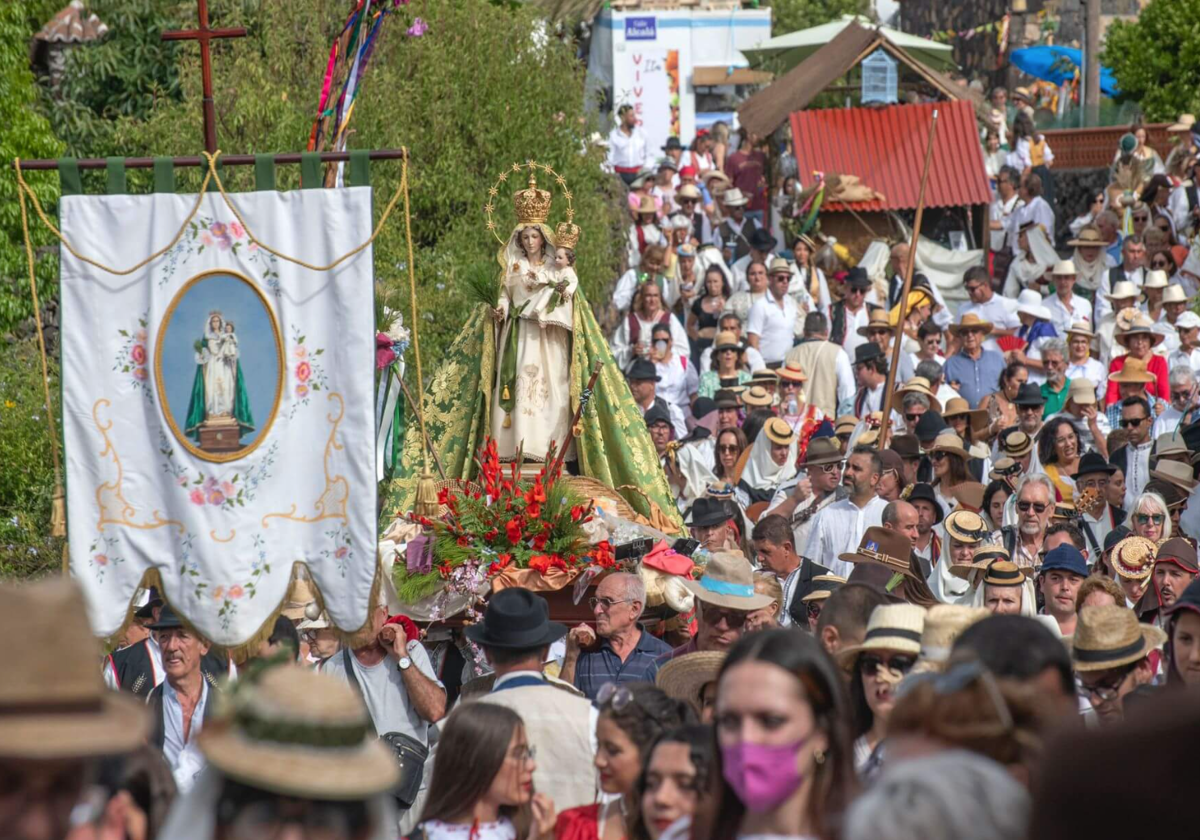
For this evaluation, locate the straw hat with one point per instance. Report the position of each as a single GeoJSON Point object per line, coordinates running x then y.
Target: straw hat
{"type": "Point", "coordinates": [688, 191]}
{"type": "Point", "coordinates": [1133, 558]}
{"type": "Point", "coordinates": [1175, 473]}
{"type": "Point", "coordinates": [727, 340]}
{"type": "Point", "coordinates": [779, 265]}
{"type": "Point", "coordinates": [728, 582]}
{"type": "Point", "coordinates": [969, 495]}
{"type": "Point", "coordinates": [1081, 328]}
{"type": "Point", "coordinates": [1131, 322]}
{"type": "Point", "coordinates": [873, 423]}
{"type": "Point", "coordinates": [792, 372]}
{"type": "Point", "coordinates": [944, 623]}
{"type": "Point", "coordinates": [966, 526]}
{"type": "Point", "coordinates": [951, 443]}
{"type": "Point", "coordinates": [845, 424]}
{"type": "Point", "coordinates": [299, 597]}
{"type": "Point", "coordinates": [823, 450]}
{"type": "Point", "coordinates": [1186, 122]}
{"type": "Point", "coordinates": [1030, 303]}
{"type": "Point", "coordinates": [893, 627]}
{"type": "Point", "coordinates": [877, 321]}
{"type": "Point", "coordinates": [1003, 468]}
{"type": "Point", "coordinates": [715, 174]}
{"type": "Point", "coordinates": [53, 699]}
{"type": "Point", "coordinates": [920, 385]}
{"type": "Point", "coordinates": [764, 376]}
{"type": "Point", "coordinates": [758, 397]}
{"type": "Point", "coordinates": [1110, 636]}
{"type": "Point", "coordinates": [1004, 573]}
{"type": "Point", "coordinates": [684, 677]}
{"type": "Point", "coordinates": [1170, 443]}
{"type": "Point", "coordinates": [1063, 268]}
{"type": "Point", "coordinates": [984, 556]}
{"type": "Point", "coordinates": [647, 205]}
{"type": "Point", "coordinates": [1155, 279]}
{"type": "Point", "coordinates": [823, 587]}
{"type": "Point", "coordinates": [1089, 237]}
{"type": "Point", "coordinates": [1122, 290]}
{"type": "Point", "coordinates": [971, 321]}
{"type": "Point", "coordinates": [977, 418]}
{"type": "Point", "coordinates": [1175, 294]}
{"type": "Point", "coordinates": [299, 733]}
{"type": "Point", "coordinates": [734, 197]}
{"type": "Point", "coordinates": [1133, 371]}
{"type": "Point", "coordinates": [885, 547]}
{"type": "Point", "coordinates": [1081, 391]}
{"type": "Point", "coordinates": [778, 431]}
{"type": "Point", "coordinates": [1016, 444]}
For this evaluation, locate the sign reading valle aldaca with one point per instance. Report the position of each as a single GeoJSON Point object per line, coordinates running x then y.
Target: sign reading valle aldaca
{"type": "Point", "coordinates": [640, 29]}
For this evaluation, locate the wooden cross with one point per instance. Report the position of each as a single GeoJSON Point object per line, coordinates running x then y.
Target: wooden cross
{"type": "Point", "coordinates": [203, 34]}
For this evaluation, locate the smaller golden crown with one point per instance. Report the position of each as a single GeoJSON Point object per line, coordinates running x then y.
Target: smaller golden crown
{"type": "Point", "coordinates": [532, 204]}
{"type": "Point", "coordinates": [566, 235]}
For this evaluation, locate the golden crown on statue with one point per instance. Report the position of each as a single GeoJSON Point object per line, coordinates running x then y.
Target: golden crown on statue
{"type": "Point", "coordinates": [566, 235]}
{"type": "Point", "coordinates": [532, 204]}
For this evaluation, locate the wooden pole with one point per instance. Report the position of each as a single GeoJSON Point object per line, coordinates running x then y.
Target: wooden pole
{"type": "Point", "coordinates": [584, 399]}
{"type": "Point", "coordinates": [898, 335]}
{"type": "Point", "coordinates": [195, 160]}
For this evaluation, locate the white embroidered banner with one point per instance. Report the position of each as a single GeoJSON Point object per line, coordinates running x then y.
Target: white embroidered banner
{"type": "Point", "coordinates": [218, 404]}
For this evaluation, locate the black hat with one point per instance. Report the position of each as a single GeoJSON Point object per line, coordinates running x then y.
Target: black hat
{"type": "Point", "coordinates": [1091, 463]}
{"type": "Point", "coordinates": [153, 600]}
{"type": "Point", "coordinates": [923, 492]}
{"type": "Point", "coordinates": [642, 369]}
{"type": "Point", "coordinates": [703, 406]}
{"type": "Point", "coordinates": [657, 413]}
{"type": "Point", "coordinates": [867, 351]}
{"type": "Point", "coordinates": [906, 446]}
{"type": "Point", "coordinates": [673, 145]}
{"type": "Point", "coordinates": [516, 618]}
{"type": "Point", "coordinates": [1115, 536]}
{"type": "Point", "coordinates": [1029, 395]}
{"type": "Point", "coordinates": [724, 398]}
{"type": "Point", "coordinates": [761, 240]}
{"type": "Point", "coordinates": [930, 426]}
{"type": "Point", "coordinates": [857, 278]}
{"type": "Point", "coordinates": [168, 619]}
{"type": "Point", "coordinates": [707, 512]}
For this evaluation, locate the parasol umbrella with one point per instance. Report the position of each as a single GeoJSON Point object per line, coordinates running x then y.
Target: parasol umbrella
{"type": "Point", "coordinates": [1052, 63]}
{"type": "Point", "coordinates": [783, 52]}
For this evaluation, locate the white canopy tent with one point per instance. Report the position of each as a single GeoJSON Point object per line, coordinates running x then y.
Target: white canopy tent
{"type": "Point", "coordinates": [783, 52]}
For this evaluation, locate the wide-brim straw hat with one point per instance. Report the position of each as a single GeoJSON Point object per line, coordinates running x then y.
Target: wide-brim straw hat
{"type": "Point", "coordinates": [1134, 370]}
{"type": "Point", "coordinates": [728, 581]}
{"type": "Point", "coordinates": [892, 627]}
{"type": "Point", "coordinates": [845, 424]}
{"type": "Point", "coordinates": [1081, 328]}
{"type": "Point", "coordinates": [309, 736]}
{"type": "Point", "coordinates": [877, 321]}
{"type": "Point", "coordinates": [1110, 636]}
{"type": "Point", "coordinates": [764, 376]}
{"type": "Point", "coordinates": [684, 677]}
{"type": "Point", "coordinates": [984, 556]}
{"type": "Point", "coordinates": [1089, 237]}
{"type": "Point", "coordinates": [792, 372]}
{"type": "Point", "coordinates": [1016, 444]}
{"type": "Point", "coordinates": [1186, 122]}
{"type": "Point", "coordinates": [735, 198]}
{"type": "Point", "coordinates": [1133, 558]}
{"type": "Point", "coordinates": [951, 443]}
{"type": "Point", "coordinates": [944, 623]}
{"type": "Point", "coordinates": [727, 341]}
{"type": "Point", "coordinates": [1122, 290]}
{"type": "Point", "coordinates": [977, 418]}
{"type": "Point", "coordinates": [1139, 324]}
{"type": "Point", "coordinates": [1174, 293]}
{"type": "Point", "coordinates": [758, 397]}
{"type": "Point", "coordinates": [647, 205]}
{"type": "Point", "coordinates": [1175, 473]}
{"type": "Point", "coordinates": [920, 385]}
{"type": "Point", "coordinates": [823, 586]}
{"type": "Point", "coordinates": [966, 526]}
{"type": "Point", "coordinates": [1156, 278]}
{"type": "Point", "coordinates": [778, 431]}
{"type": "Point", "coordinates": [53, 703]}
{"type": "Point", "coordinates": [884, 547]}
{"type": "Point", "coordinates": [971, 321]}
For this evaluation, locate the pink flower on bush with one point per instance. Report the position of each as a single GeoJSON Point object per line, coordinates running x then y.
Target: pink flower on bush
{"type": "Point", "coordinates": [235, 592]}
{"type": "Point", "coordinates": [218, 593]}
{"type": "Point", "coordinates": [301, 352]}
{"type": "Point", "coordinates": [341, 553]}
{"type": "Point", "coordinates": [101, 559]}
{"type": "Point", "coordinates": [227, 488]}
{"type": "Point", "coordinates": [205, 238]}
{"type": "Point", "coordinates": [303, 371]}
{"type": "Point", "coordinates": [139, 373]}
{"type": "Point", "coordinates": [301, 391]}
{"type": "Point", "coordinates": [237, 230]}
{"type": "Point", "coordinates": [197, 496]}
{"type": "Point", "coordinates": [216, 498]}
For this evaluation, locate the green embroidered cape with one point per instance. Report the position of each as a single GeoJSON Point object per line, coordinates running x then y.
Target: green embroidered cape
{"type": "Point", "coordinates": [615, 446]}
{"type": "Point", "coordinates": [241, 405]}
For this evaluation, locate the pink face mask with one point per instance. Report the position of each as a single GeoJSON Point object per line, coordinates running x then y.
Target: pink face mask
{"type": "Point", "coordinates": [762, 776]}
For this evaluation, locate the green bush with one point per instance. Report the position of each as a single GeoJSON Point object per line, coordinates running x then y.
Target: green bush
{"type": "Point", "coordinates": [1156, 58]}
{"type": "Point", "coordinates": [27, 476]}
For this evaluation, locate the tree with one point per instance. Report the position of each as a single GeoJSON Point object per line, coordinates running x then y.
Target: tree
{"type": "Point", "coordinates": [1156, 58]}
{"type": "Point", "coordinates": [792, 15]}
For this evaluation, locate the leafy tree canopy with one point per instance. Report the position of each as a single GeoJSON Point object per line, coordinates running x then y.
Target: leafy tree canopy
{"type": "Point", "coordinates": [1156, 58]}
{"type": "Point", "coordinates": [792, 15]}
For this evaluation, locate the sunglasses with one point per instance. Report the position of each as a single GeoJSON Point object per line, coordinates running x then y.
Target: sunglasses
{"type": "Point", "coordinates": [870, 663]}
{"type": "Point", "coordinates": [1038, 507]}
{"type": "Point", "coordinates": [1140, 219]}
{"type": "Point", "coordinates": [913, 418]}
{"type": "Point", "coordinates": [733, 618]}
{"type": "Point", "coordinates": [728, 447]}
{"type": "Point", "coordinates": [1149, 518]}
{"type": "Point", "coordinates": [834, 467]}
{"type": "Point", "coordinates": [607, 604]}
{"type": "Point", "coordinates": [1133, 422]}
{"type": "Point", "coordinates": [1158, 264]}
{"type": "Point", "coordinates": [937, 456]}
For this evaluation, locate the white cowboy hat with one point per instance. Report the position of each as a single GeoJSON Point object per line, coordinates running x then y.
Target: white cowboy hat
{"type": "Point", "coordinates": [734, 198]}
{"type": "Point", "coordinates": [1030, 302]}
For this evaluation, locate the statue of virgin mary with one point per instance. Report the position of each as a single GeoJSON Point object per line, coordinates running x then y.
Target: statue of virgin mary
{"type": "Point", "coordinates": [218, 389]}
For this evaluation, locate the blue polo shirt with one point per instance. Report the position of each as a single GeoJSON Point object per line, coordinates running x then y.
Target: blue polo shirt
{"type": "Point", "coordinates": [974, 379]}
{"type": "Point", "coordinates": [595, 668]}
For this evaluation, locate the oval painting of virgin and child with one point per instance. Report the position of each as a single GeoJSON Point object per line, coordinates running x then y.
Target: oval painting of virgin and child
{"type": "Point", "coordinates": [219, 366]}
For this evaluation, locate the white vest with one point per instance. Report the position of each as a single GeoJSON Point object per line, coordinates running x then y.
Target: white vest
{"type": "Point", "coordinates": [556, 724]}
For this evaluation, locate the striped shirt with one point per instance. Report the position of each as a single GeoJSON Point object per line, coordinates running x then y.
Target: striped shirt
{"type": "Point", "coordinates": [595, 668]}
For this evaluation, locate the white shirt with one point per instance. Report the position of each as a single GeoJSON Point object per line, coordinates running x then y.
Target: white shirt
{"type": "Point", "coordinates": [1000, 312]}
{"type": "Point", "coordinates": [678, 380]}
{"type": "Point", "coordinates": [873, 402]}
{"type": "Point", "coordinates": [1035, 210]}
{"type": "Point", "coordinates": [627, 286]}
{"type": "Point", "coordinates": [650, 233]}
{"type": "Point", "coordinates": [837, 530]}
{"type": "Point", "coordinates": [774, 322]}
{"type": "Point", "coordinates": [502, 829]}
{"type": "Point", "coordinates": [1137, 471]}
{"type": "Point", "coordinates": [854, 320]}
{"type": "Point", "coordinates": [1178, 205]}
{"type": "Point", "coordinates": [1166, 329]}
{"type": "Point", "coordinates": [1166, 422]}
{"type": "Point", "coordinates": [1189, 358]}
{"type": "Point", "coordinates": [1062, 316]}
{"type": "Point", "coordinates": [184, 757]}
{"type": "Point", "coordinates": [1002, 211]}
{"type": "Point", "coordinates": [628, 150]}
{"type": "Point", "coordinates": [624, 351]}
{"type": "Point", "coordinates": [1093, 372]}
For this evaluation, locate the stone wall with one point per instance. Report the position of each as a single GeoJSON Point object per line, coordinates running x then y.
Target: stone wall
{"type": "Point", "coordinates": [1073, 191]}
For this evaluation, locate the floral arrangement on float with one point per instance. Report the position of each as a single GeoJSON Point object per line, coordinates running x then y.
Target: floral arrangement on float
{"type": "Point", "coordinates": [500, 524]}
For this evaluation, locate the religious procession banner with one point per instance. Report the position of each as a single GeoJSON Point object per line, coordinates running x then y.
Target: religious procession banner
{"type": "Point", "coordinates": [218, 403]}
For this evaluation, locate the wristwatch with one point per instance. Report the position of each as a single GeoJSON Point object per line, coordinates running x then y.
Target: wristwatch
{"type": "Point", "coordinates": [404, 663]}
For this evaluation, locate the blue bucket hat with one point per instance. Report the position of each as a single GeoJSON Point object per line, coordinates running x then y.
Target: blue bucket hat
{"type": "Point", "coordinates": [1065, 558]}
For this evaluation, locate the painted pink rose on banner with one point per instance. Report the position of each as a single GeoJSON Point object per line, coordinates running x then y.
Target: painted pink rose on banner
{"type": "Point", "coordinates": [138, 354]}
{"type": "Point", "coordinates": [303, 371]}
{"type": "Point", "coordinates": [197, 496]}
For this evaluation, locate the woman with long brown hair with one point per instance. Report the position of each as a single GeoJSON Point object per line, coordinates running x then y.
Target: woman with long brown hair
{"type": "Point", "coordinates": [483, 780]}
{"type": "Point", "coordinates": [783, 737]}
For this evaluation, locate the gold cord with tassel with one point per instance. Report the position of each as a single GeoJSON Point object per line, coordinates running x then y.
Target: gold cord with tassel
{"type": "Point", "coordinates": [426, 501]}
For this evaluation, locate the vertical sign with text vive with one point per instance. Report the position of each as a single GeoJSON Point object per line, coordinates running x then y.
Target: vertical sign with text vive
{"type": "Point", "coordinates": [643, 78]}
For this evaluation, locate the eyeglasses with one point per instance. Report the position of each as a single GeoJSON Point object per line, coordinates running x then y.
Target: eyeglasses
{"type": "Point", "coordinates": [834, 467]}
{"type": "Point", "coordinates": [1107, 690]}
{"type": "Point", "coordinates": [1180, 395]}
{"type": "Point", "coordinates": [523, 752]}
{"type": "Point", "coordinates": [1133, 422]}
{"type": "Point", "coordinates": [607, 604]}
{"type": "Point", "coordinates": [1038, 507]}
{"type": "Point", "coordinates": [729, 447]}
{"type": "Point", "coordinates": [733, 619]}
{"type": "Point", "coordinates": [1149, 518]}
{"type": "Point", "coordinates": [870, 663]}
